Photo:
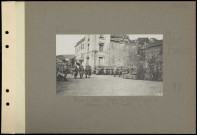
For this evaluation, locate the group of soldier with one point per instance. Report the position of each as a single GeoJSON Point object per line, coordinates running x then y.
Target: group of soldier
{"type": "Point", "coordinates": [75, 71]}
{"type": "Point", "coordinates": [81, 71]}
{"type": "Point", "coordinates": [116, 71]}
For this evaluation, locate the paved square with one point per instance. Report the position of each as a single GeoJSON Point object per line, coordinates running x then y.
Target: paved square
{"type": "Point", "coordinates": [108, 85]}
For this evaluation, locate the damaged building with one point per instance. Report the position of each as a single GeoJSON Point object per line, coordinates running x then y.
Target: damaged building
{"type": "Point", "coordinates": [106, 50]}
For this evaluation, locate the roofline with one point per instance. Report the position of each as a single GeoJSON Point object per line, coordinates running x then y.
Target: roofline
{"type": "Point", "coordinates": [151, 46]}
{"type": "Point", "coordinates": [80, 41]}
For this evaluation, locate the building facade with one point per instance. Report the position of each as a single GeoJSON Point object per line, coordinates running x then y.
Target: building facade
{"type": "Point", "coordinates": [106, 50]}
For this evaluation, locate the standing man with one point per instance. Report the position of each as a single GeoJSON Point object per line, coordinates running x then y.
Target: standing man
{"type": "Point", "coordinates": [65, 71]}
{"type": "Point", "coordinates": [75, 72]}
{"type": "Point", "coordinates": [115, 70]}
{"type": "Point", "coordinates": [120, 71]}
{"type": "Point", "coordinates": [104, 71]}
{"type": "Point", "coordinates": [134, 69]}
{"type": "Point", "coordinates": [88, 71]}
{"type": "Point", "coordinates": [81, 71]}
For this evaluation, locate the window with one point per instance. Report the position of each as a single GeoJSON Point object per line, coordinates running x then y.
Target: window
{"type": "Point", "coordinates": [100, 60]}
{"type": "Point", "coordinates": [82, 56]}
{"type": "Point", "coordinates": [87, 61]}
{"type": "Point", "coordinates": [88, 47]}
{"type": "Point", "coordinates": [101, 47]}
{"type": "Point", "coordinates": [102, 36]}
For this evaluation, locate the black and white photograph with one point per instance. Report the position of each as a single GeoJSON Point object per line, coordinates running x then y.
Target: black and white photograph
{"type": "Point", "coordinates": [109, 65]}
{"type": "Point", "coordinates": [121, 67]}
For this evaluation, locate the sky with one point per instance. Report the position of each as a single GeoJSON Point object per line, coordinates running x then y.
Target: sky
{"type": "Point", "coordinates": [135, 36]}
{"type": "Point", "coordinates": [65, 43]}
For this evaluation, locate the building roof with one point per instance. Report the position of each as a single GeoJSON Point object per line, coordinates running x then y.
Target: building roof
{"type": "Point", "coordinates": [80, 41]}
{"type": "Point", "coordinates": [158, 42]}
{"type": "Point", "coordinates": [120, 38]}
{"type": "Point", "coordinates": [153, 44]}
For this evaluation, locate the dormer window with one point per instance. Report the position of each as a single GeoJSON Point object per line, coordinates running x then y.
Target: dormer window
{"type": "Point", "coordinates": [102, 36]}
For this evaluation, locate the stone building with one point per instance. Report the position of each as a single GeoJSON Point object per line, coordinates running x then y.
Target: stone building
{"type": "Point", "coordinates": [106, 50]}
{"type": "Point", "coordinates": [122, 51]}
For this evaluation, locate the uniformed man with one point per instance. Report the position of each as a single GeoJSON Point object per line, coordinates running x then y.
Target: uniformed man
{"type": "Point", "coordinates": [75, 72]}
{"type": "Point", "coordinates": [65, 72]}
{"type": "Point", "coordinates": [115, 70]}
{"type": "Point", "coordinates": [97, 71]}
{"type": "Point", "coordinates": [134, 69]}
{"type": "Point", "coordinates": [120, 72]}
{"type": "Point", "coordinates": [88, 71]}
{"type": "Point", "coordinates": [104, 71]}
{"type": "Point", "coordinates": [81, 71]}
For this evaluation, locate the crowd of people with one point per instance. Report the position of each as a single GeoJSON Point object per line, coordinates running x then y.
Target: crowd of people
{"type": "Point", "coordinates": [77, 70]}
{"type": "Point", "coordinates": [140, 73]}
{"type": "Point", "coordinates": [115, 70]}
{"type": "Point", "coordinates": [81, 71]}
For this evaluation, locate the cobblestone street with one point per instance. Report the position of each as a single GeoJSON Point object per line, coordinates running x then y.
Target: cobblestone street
{"type": "Point", "coordinates": [108, 85]}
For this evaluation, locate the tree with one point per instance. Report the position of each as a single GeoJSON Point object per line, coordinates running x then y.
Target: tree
{"type": "Point", "coordinates": [153, 39]}
{"type": "Point", "coordinates": [141, 41]}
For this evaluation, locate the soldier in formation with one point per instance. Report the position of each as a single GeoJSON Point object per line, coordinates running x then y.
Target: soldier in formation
{"type": "Point", "coordinates": [88, 71]}
{"type": "Point", "coordinates": [65, 71]}
{"type": "Point", "coordinates": [62, 71]}
{"type": "Point", "coordinates": [115, 71]}
{"type": "Point", "coordinates": [81, 71]}
{"type": "Point", "coordinates": [75, 72]}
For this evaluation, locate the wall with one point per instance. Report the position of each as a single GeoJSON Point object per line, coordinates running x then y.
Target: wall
{"type": "Point", "coordinates": [94, 52]}
{"type": "Point", "coordinates": [122, 54]}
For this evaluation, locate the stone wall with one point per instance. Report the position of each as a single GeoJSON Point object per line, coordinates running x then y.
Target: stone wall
{"type": "Point", "coordinates": [132, 59]}
{"type": "Point", "coordinates": [122, 54]}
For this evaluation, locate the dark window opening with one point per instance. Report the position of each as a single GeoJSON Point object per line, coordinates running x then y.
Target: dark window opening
{"type": "Point", "coordinates": [101, 47]}
{"type": "Point", "coordinates": [100, 60]}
